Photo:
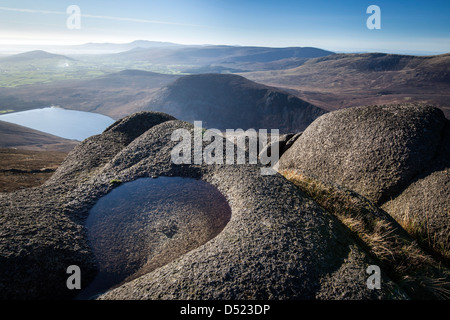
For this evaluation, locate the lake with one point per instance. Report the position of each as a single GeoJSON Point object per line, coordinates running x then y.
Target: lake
{"type": "Point", "coordinates": [147, 223]}
{"type": "Point", "coordinates": [68, 124]}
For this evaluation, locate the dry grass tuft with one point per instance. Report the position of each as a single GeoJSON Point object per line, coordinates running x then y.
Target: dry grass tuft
{"type": "Point", "coordinates": [405, 261]}
{"type": "Point", "coordinates": [421, 231]}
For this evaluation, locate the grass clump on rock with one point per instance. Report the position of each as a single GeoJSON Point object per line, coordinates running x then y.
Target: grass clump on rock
{"type": "Point", "coordinates": [115, 182]}
{"type": "Point", "coordinates": [416, 271]}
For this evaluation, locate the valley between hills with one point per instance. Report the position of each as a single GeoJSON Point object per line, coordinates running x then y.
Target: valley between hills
{"type": "Point", "coordinates": [120, 83]}
{"type": "Point", "coordinates": [237, 82]}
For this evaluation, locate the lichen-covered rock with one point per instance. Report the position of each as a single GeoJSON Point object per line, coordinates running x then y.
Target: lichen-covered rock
{"type": "Point", "coordinates": [42, 229]}
{"type": "Point", "coordinates": [375, 150]}
{"type": "Point", "coordinates": [400, 254]}
{"type": "Point", "coordinates": [278, 243]}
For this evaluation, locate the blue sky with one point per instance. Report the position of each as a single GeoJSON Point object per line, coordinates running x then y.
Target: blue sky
{"type": "Point", "coordinates": [407, 26]}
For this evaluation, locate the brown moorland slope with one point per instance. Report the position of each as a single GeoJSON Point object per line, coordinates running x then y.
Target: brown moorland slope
{"type": "Point", "coordinates": [19, 137]}
{"type": "Point", "coordinates": [346, 80]}
{"type": "Point", "coordinates": [29, 157]}
{"type": "Point", "coordinates": [20, 169]}
{"type": "Point", "coordinates": [228, 101]}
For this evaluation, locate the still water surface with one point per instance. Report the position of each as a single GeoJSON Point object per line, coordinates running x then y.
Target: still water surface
{"type": "Point", "coordinates": [68, 124]}
{"type": "Point", "coordinates": [142, 225]}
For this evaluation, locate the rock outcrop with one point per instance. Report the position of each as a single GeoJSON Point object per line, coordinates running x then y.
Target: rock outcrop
{"type": "Point", "coordinates": [376, 150]}
{"type": "Point", "coordinates": [397, 156]}
{"type": "Point", "coordinates": [406, 261]}
{"type": "Point", "coordinates": [278, 243]}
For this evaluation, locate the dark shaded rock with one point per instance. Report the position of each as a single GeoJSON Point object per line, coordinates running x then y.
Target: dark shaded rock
{"type": "Point", "coordinates": [284, 142]}
{"type": "Point", "coordinates": [136, 124]}
{"type": "Point", "coordinates": [38, 242]}
{"type": "Point", "coordinates": [376, 150]}
{"type": "Point", "coordinates": [290, 139]}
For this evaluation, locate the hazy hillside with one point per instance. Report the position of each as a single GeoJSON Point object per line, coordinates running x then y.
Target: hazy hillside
{"type": "Point", "coordinates": [87, 48]}
{"type": "Point", "coordinates": [114, 47]}
{"type": "Point", "coordinates": [33, 55]}
{"type": "Point", "coordinates": [39, 66]}
{"type": "Point", "coordinates": [243, 58]}
{"type": "Point", "coordinates": [323, 79]}
{"type": "Point", "coordinates": [344, 80]}
{"type": "Point", "coordinates": [98, 59]}
{"type": "Point", "coordinates": [114, 95]}
{"type": "Point", "coordinates": [231, 102]}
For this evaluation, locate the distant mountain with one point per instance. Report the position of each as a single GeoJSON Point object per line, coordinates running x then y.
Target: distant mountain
{"type": "Point", "coordinates": [344, 80]}
{"type": "Point", "coordinates": [15, 136]}
{"type": "Point", "coordinates": [226, 57]}
{"type": "Point", "coordinates": [34, 55]}
{"type": "Point", "coordinates": [228, 53]}
{"type": "Point", "coordinates": [231, 102]}
{"type": "Point", "coordinates": [435, 66]}
{"type": "Point", "coordinates": [118, 47]}
{"type": "Point", "coordinates": [87, 48]}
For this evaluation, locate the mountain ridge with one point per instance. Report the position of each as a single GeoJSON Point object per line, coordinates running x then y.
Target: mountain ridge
{"type": "Point", "coordinates": [346, 80]}
{"type": "Point", "coordinates": [34, 55]}
{"type": "Point", "coordinates": [237, 57]}
{"type": "Point", "coordinates": [226, 101]}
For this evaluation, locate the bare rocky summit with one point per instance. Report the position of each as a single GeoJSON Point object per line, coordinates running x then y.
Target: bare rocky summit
{"type": "Point", "coordinates": [278, 243]}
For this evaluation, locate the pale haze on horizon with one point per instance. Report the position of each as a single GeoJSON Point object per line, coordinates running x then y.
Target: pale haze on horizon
{"type": "Point", "coordinates": [414, 26]}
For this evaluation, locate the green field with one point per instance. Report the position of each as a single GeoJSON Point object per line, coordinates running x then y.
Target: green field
{"type": "Point", "coordinates": [13, 74]}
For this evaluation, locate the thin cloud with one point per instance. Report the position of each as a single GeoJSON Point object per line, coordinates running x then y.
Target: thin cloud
{"type": "Point", "coordinates": [90, 16]}
{"type": "Point", "coordinates": [31, 10]}
{"type": "Point", "coordinates": [138, 20]}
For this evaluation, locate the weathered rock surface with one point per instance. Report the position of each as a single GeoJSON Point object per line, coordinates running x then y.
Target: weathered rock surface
{"type": "Point", "coordinates": [397, 156]}
{"type": "Point", "coordinates": [278, 243]}
{"type": "Point", "coordinates": [97, 150]}
{"type": "Point", "coordinates": [418, 273]}
{"type": "Point", "coordinates": [376, 151]}
{"type": "Point", "coordinates": [424, 206]}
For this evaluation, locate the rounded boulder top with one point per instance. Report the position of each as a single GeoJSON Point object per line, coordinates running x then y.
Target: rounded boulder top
{"type": "Point", "coordinates": [374, 150]}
